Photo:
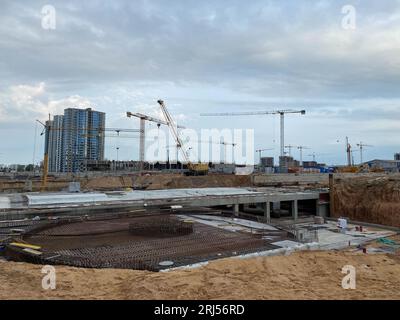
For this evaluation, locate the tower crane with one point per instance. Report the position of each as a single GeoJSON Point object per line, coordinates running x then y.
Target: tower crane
{"type": "Point", "coordinates": [194, 168]}
{"type": "Point", "coordinates": [301, 148]}
{"type": "Point", "coordinates": [143, 118]}
{"type": "Point", "coordinates": [361, 146]}
{"type": "Point", "coordinates": [313, 155]}
{"type": "Point", "coordinates": [290, 147]}
{"type": "Point", "coordinates": [253, 113]}
{"type": "Point", "coordinates": [225, 144]}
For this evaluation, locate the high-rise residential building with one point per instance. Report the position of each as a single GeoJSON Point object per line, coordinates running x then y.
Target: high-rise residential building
{"type": "Point", "coordinates": [75, 138]}
{"type": "Point", "coordinates": [83, 138]}
{"type": "Point", "coordinates": [55, 144]}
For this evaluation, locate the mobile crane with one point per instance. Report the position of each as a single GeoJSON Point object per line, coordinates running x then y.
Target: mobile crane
{"type": "Point", "coordinates": [194, 169]}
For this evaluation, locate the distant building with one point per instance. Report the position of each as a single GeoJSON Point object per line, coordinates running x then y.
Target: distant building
{"type": "Point", "coordinates": [397, 156]}
{"type": "Point", "coordinates": [385, 165]}
{"type": "Point", "coordinates": [55, 143]}
{"type": "Point", "coordinates": [107, 165]}
{"type": "Point", "coordinates": [267, 162]}
{"type": "Point", "coordinates": [310, 164]}
{"type": "Point", "coordinates": [83, 138]}
{"type": "Point", "coordinates": [75, 138]}
{"type": "Point", "coordinates": [288, 162]}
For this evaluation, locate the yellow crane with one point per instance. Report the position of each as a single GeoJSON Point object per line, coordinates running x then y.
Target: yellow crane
{"type": "Point", "coordinates": [194, 168]}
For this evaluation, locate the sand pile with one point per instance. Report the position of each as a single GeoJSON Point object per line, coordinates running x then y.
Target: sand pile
{"type": "Point", "coordinates": [303, 275]}
{"type": "Point", "coordinates": [368, 199]}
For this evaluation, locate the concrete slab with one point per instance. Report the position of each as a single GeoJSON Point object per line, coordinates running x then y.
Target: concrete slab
{"type": "Point", "coordinates": [36, 199]}
{"type": "Point", "coordinates": [235, 221]}
{"type": "Point", "coordinates": [286, 244]}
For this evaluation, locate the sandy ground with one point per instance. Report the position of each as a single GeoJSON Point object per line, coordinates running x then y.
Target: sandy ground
{"type": "Point", "coordinates": [302, 275]}
{"type": "Point", "coordinates": [369, 199]}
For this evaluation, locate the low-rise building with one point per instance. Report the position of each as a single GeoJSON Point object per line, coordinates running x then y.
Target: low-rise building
{"type": "Point", "coordinates": [385, 165]}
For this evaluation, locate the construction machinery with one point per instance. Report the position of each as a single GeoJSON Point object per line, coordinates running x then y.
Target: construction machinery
{"type": "Point", "coordinates": [254, 113]}
{"type": "Point", "coordinates": [350, 168]}
{"type": "Point", "coordinates": [46, 131]}
{"type": "Point", "coordinates": [350, 158]}
{"type": "Point", "coordinates": [143, 118]}
{"type": "Point", "coordinates": [193, 168]}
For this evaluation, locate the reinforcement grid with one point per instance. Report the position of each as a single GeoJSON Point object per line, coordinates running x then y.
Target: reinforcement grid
{"type": "Point", "coordinates": [118, 244]}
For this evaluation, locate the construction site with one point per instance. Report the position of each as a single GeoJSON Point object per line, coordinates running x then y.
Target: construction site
{"type": "Point", "coordinates": [197, 230]}
{"type": "Point", "coordinates": [210, 228]}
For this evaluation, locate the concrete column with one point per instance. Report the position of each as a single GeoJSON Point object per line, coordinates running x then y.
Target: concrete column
{"type": "Point", "coordinates": [267, 211]}
{"type": "Point", "coordinates": [317, 211]}
{"type": "Point", "coordinates": [276, 205]}
{"type": "Point", "coordinates": [235, 208]}
{"type": "Point", "coordinates": [331, 203]}
{"type": "Point", "coordinates": [295, 210]}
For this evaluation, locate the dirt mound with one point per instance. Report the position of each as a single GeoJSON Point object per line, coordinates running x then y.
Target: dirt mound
{"type": "Point", "coordinates": [164, 181]}
{"type": "Point", "coordinates": [180, 181]}
{"type": "Point", "coordinates": [368, 199]}
{"type": "Point", "coordinates": [107, 183]}
{"type": "Point", "coordinates": [303, 275]}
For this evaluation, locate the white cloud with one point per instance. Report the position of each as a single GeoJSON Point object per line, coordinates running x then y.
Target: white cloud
{"type": "Point", "coordinates": [23, 103]}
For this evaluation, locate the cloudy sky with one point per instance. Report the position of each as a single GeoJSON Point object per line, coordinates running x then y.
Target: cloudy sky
{"type": "Point", "coordinates": [206, 56]}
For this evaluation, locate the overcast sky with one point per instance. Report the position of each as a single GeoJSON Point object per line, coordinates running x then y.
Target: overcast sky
{"type": "Point", "coordinates": [205, 56]}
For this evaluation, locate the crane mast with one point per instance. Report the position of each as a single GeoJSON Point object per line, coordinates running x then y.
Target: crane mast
{"type": "Point", "coordinates": [174, 130]}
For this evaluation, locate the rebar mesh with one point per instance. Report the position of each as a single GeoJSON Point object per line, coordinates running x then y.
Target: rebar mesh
{"type": "Point", "coordinates": [165, 226]}
{"type": "Point", "coordinates": [134, 243]}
